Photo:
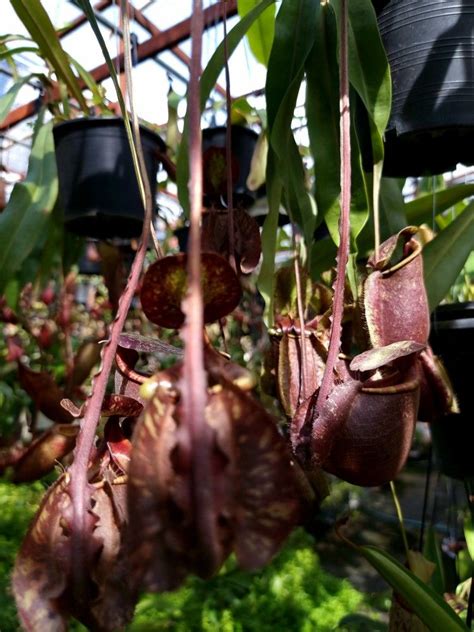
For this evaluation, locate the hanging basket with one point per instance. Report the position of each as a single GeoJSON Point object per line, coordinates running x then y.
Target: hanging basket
{"type": "Point", "coordinates": [452, 338]}
{"type": "Point", "coordinates": [243, 143]}
{"type": "Point", "coordinates": [97, 183]}
{"type": "Point", "coordinates": [431, 54]}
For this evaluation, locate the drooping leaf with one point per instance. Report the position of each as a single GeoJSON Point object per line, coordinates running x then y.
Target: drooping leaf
{"type": "Point", "coordinates": [41, 29]}
{"type": "Point", "coordinates": [165, 284]}
{"type": "Point", "coordinates": [260, 34]}
{"type": "Point", "coordinates": [445, 255]}
{"type": "Point", "coordinates": [207, 83]}
{"type": "Point", "coordinates": [29, 209]}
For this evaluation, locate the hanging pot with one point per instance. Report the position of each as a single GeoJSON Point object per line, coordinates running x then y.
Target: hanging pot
{"type": "Point", "coordinates": [97, 184]}
{"type": "Point", "coordinates": [243, 143]}
{"type": "Point", "coordinates": [431, 54]}
{"type": "Point", "coordinates": [452, 338]}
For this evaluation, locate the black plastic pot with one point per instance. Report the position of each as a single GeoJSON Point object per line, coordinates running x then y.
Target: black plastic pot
{"type": "Point", "coordinates": [431, 54]}
{"type": "Point", "coordinates": [452, 338]}
{"type": "Point", "coordinates": [243, 142]}
{"type": "Point", "coordinates": [97, 184]}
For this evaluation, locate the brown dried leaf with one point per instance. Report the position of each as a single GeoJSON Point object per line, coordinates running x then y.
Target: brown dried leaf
{"type": "Point", "coordinates": [264, 498]}
{"type": "Point", "coordinates": [252, 500]}
{"type": "Point", "coordinates": [161, 542]}
{"type": "Point", "coordinates": [165, 284]}
{"type": "Point", "coordinates": [42, 565]}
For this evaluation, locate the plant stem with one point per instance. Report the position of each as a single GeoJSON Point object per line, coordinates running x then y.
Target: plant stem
{"type": "Point", "coordinates": [228, 148]}
{"type": "Point", "coordinates": [79, 486]}
{"type": "Point", "coordinates": [299, 301]}
{"type": "Point", "coordinates": [398, 509]}
{"type": "Point", "coordinates": [344, 220]}
{"type": "Point", "coordinates": [194, 381]}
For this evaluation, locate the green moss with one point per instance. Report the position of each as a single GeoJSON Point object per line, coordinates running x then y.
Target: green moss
{"type": "Point", "coordinates": [291, 594]}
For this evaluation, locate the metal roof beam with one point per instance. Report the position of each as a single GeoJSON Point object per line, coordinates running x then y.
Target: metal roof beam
{"type": "Point", "coordinates": [165, 40]}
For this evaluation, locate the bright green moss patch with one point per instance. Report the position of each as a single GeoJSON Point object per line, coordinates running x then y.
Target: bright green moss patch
{"type": "Point", "coordinates": [292, 594]}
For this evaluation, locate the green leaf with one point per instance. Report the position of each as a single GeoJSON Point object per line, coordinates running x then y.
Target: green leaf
{"type": "Point", "coordinates": [8, 99]}
{"type": "Point", "coordinates": [422, 599]}
{"type": "Point", "coordinates": [266, 278]}
{"type": "Point", "coordinates": [322, 108]}
{"type": "Point", "coordinates": [469, 535]}
{"type": "Point", "coordinates": [322, 111]}
{"type": "Point", "coordinates": [9, 52]}
{"type": "Point", "coordinates": [445, 255]}
{"type": "Point", "coordinates": [41, 29]}
{"type": "Point", "coordinates": [26, 216]}
{"type": "Point", "coordinates": [425, 207]}
{"type": "Point", "coordinates": [208, 81]}
{"type": "Point", "coordinates": [295, 32]}
{"type": "Point", "coordinates": [260, 34]}
{"type": "Point", "coordinates": [391, 213]}
{"type": "Point", "coordinates": [432, 551]}
{"type": "Point", "coordinates": [369, 72]}
{"type": "Point", "coordinates": [91, 83]}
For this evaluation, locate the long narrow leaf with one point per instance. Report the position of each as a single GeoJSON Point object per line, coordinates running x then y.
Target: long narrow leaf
{"type": "Point", "coordinates": [266, 278]}
{"type": "Point", "coordinates": [445, 256]}
{"type": "Point", "coordinates": [422, 599]}
{"type": "Point", "coordinates": [8, 99]}
{"type": "Point", "coordinates": [40, 27]}
{"type": "Point", "coordinates": [24, 220]}
{"type": "Point", "coordinates": [260, 34]}
{"type": "Point", "coordinates": [208, 81]}
{"type": "Point", "coordinates": [295, 32]}
{"type": "Point", "coordinates": [423, 208]}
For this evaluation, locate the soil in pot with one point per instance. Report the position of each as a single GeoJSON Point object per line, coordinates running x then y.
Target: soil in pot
{"type": "Point", "coordinates": [97, 183]}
